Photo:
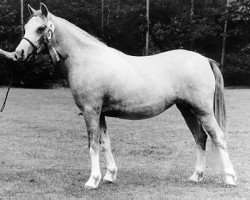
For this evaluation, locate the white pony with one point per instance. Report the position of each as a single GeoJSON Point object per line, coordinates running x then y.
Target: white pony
{"type": "Point", "coordinates": [106, 82]}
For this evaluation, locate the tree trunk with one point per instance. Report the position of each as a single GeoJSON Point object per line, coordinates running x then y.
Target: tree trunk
{"type": "Point", "coordinates": [118, 8]}
{"type": "Point", "coordinates": [22, 25]}
{"type": "Point", "coordinates": [191, 24]}
{"type": "Point", "coordinates": [223, 46]}
{"type": "Point", "coordinates": [147, 28]}
{"type": "Point", "coordinates": [102, 20]}
{"type": "Point", "coordinates": [224, 39]}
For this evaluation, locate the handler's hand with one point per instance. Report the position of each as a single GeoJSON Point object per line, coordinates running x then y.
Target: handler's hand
{"type": "Point", "coordinates": [11, 56]}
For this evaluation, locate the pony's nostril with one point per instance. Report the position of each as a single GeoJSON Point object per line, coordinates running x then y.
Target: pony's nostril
{"type": "Point", "coordinates": [19, 55]}
{"type": "Point", "coordinates": [22, 53]}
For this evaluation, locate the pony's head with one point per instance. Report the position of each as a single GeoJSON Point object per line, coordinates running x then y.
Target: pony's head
{"type": "Point", "coordinates": [38, 30]}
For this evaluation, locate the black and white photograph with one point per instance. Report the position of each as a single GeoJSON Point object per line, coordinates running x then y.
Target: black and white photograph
{"type": "Point", "coordinates": [124, 99]}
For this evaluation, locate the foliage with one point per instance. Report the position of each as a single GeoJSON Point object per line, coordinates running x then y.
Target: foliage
{"type": "Point", "coordinates": [240, 10]}
{"type": "Point", "coordinates": [37, 73]}
{"type": "Point", "coordinates": [237, 71]}
{"type": "Point", "coordinates": [124, 29]}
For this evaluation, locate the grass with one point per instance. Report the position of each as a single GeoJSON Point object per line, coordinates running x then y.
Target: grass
{"type": "Point", "coordinates": [44, 154]}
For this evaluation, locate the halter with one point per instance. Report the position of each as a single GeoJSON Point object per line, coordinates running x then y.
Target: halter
{"type": "Point", "coordinates": [32, 44]}
{"type": "Point", "coordinates": [46, 38]}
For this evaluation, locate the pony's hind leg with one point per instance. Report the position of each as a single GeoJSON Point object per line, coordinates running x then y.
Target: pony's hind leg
{"type": "Point", "coordinates": [200, 137]}
{"type": "Point", "coordinates": [211, 126]}
{"type": "Point", "coordinates": [110, 175]}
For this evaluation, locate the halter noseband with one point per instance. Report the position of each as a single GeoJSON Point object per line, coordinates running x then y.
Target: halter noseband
{"type": "Point", "coordinates": [32, 44]}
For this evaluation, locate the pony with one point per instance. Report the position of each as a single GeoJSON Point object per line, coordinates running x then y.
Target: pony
{"type": "Point", "coordinates": [108, 83]}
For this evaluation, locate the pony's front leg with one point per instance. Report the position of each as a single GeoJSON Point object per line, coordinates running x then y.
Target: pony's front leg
{"type": "Point", "coordinates": [110, 175]}
{"type": "Point", "coordinates": [93, 127]}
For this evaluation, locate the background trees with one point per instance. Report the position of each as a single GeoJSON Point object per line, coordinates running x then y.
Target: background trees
{"type": "Point", "coordinates": [124, 28]}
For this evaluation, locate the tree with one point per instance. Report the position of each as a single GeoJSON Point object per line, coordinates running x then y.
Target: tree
{"type": "Point", "coordinates": [147, 28]}
{"type": "Point", "coordinates": [22, 23]}
{"type": "Point", "coordinates": [224, 37]}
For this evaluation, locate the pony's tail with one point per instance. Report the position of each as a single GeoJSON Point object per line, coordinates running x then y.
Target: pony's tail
{"type": "Point", "coordinates": [219, 100]}
{"type": "Point", "coordinates": [219, 104]}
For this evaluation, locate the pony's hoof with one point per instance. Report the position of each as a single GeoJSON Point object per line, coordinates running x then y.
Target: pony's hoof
{"type": "Point", "coordinates": [89, 187]}
{"type": "Point", "coordinates": [231, 180]}
{"type": "Point", "coordinates": [92, 183]}
{"type": "Point", "coordinates": [110, 176]}
{"type": "Point", "coordinates": [197, 177]}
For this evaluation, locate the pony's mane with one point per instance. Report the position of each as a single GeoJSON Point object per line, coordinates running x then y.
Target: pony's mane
{"type": "Point", "coordinates": [38, 13]}
{"type": "Point", "coordinates": [80, 31]}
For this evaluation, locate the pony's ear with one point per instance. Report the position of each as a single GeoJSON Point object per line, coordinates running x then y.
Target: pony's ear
{"type": "Point", "coordinates": [31, 10]}
{"type": "Point", "coordinates": [44, 9]}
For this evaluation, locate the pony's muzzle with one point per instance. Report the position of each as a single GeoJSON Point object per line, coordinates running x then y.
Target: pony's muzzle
{"type": "Point", "coordinates": [23, 50]}
{"type": "Point", "coordinates": [20, 55]}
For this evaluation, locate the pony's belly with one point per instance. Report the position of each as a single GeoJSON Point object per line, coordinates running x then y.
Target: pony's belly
{"type": "Point", "coordinates": [136, 112]}
{"type": "Point", "coordinates": [140, 102]}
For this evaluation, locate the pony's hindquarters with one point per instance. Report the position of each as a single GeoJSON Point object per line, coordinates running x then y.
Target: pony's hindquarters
{"type": "Point", "coordinates": [201, 102]}
{"type": "Point", "coordinates": [214, 125]}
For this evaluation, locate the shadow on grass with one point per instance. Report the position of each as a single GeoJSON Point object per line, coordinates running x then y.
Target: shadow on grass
{"type": "Point", "coordinates": [132, 181]}
{"type": "Point", "coordinates": [70, 183]}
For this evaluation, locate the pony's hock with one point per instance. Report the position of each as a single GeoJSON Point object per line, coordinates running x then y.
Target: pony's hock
{"type": "Point", "coordinates": [107, 82]}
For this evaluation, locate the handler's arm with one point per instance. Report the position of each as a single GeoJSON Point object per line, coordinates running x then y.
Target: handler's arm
{"type": "Point", "coordinates": [7, 55]}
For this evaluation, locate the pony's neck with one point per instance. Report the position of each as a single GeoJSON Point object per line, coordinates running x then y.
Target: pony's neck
{"type": "Point", "coordinates": [72, 40]}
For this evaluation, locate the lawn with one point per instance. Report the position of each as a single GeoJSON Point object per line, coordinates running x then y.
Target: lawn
{"type": "Point", "coordinates": [44, 154]}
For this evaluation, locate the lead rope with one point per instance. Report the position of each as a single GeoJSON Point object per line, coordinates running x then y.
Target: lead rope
{"type": "Point", "coordinates": [7, 93]}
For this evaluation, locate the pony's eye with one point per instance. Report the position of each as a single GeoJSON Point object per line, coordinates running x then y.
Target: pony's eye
{"type": "Point", "coordinates": [40, 29]}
